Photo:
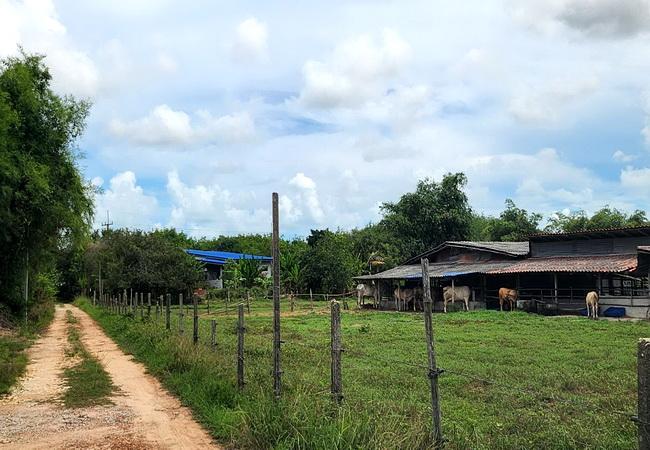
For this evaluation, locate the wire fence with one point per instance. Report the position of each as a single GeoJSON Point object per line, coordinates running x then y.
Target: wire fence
{"type": "Point", "coordinates": [158, 310]}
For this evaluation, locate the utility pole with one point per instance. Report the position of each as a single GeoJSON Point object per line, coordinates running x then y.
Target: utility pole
{"type": "Point", "coordinates": [108, 222]}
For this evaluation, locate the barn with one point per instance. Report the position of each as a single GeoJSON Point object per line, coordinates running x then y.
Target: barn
{"type": "Point", "coordinates": [214, 262]}
{"type": "Point", "coordinates": [552, 272]}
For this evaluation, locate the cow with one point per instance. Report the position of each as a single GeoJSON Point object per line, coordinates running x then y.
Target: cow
{"type": "Point", "coordinates": [405, 295]}
{"type": "Point", "coordinates": [592, 305]}
{"type": "Point", "coordinates": [451, 294]}
{"type": "Point", "coordinates": [508, 295]}
{"type": "Point", "coordinates": [363, 291]}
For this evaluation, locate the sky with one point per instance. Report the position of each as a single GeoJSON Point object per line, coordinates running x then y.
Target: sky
{"type": "Point", "coordinates": [202, 109]}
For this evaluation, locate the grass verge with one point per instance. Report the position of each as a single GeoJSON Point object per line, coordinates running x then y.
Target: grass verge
{"type": "Point", "coordinates": [87, 383]}
{"type": "Point", "coordinates": [14, 343]}
{"type": "Point", "coordinates": [513, 380]}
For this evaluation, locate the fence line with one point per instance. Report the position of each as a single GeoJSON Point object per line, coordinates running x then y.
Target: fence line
{"type": "Point", "coordinates": [128, 305]}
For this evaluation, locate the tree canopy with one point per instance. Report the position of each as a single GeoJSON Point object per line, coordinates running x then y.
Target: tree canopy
{"type": "Point", "coordinates": [45, 205]}
{"type": "Point", "coordinates": [434, 213]}
{"type": "Point", "coordinates": [605, 217]}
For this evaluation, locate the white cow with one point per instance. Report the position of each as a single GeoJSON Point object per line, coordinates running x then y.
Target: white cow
{"type": "Point", "coordinates": [450, 294]}
{"type": "Point", "coordinates": [363, 291]}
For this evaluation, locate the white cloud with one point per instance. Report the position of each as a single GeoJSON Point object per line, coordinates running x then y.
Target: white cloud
{"type": "Point", "coordinates": [35, 26]}
{"type": "Point", "coordinates": [545, 103]}
{"type": "Point", "coordinates": [128, 204]}
{"type": "Point", "coordinates": [593, 18]}
{"type": "Point", "coordinates": [621, 156]}
{"type": "Point", "coordinates": [308, 196]}
{"type": "Point", "coordinates": [357, 71]}
{"type": "Point", "coordinates": [251, 42]}
{"type": "Point", "coordinates": [637, 180]}
{"type": "Point", "coordinates": [209, 209]}
{"type": "Point", "coordinates": [165, 126]}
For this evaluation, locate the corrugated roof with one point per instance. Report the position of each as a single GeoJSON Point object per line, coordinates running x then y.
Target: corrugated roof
{"type": "Point", "coordinates": [642, 230]}
{"type": "Point", "coordinates": [503, 248]}
{"type": "Point", "coordinates": [220, 258]}
{"type": "Point", "coordinates": [591, 263]}
{"type": "Point", "coordinates": [644, 248]}
{"type": "Point", "coordinates": [436, 270]}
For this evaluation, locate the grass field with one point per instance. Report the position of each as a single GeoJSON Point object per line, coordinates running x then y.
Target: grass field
{"type": "Point", "coordinates": [527, 381]}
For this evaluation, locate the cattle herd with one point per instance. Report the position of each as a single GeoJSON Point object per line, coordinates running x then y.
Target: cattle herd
{"type": "Point", "coordinates": [507, 297]}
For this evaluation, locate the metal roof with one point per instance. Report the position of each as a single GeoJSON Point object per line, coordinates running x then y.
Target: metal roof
{"type": "Point", "coordinates": [221, 258]}
{"type": "Point", "coordinates": [643, 230]}
{"type": "Point", "coordinates": [591, 263]}
{"type": "Point", "coordinates": [437, 270]}
{"type": "Point", "coordinates": [514, 249]}
{"type": "Point", "coordinates": [644, 248]}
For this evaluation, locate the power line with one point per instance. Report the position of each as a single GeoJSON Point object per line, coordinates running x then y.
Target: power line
{"type": "Point", "coordinates": [108, 222]}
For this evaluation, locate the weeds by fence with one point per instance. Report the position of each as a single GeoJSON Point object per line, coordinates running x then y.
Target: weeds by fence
{"type": "Point", "coordinates": [210, 324]}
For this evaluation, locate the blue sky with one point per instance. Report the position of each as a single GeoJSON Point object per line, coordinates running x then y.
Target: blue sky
{"type": "Point", "coordinates": [202, 109]}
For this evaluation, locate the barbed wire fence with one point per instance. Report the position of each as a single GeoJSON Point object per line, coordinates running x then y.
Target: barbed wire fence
{"type": "Point", "coordinates": [125, 303]}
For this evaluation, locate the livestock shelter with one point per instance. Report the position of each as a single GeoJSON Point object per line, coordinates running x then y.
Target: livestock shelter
{"type": "Point", "coordinates": [214, 262]}
{"type": "Point", "coordinates": [459, 263]}
{"type": "Point", "coordinates": [551, 271]}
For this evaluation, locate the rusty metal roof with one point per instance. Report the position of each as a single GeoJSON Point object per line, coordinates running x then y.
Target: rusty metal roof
{"type": "Point", "coordinates": [503, 248]}
{"type": "Point", "coordinates": [642, 230]}
{"type": "Point", "coordinates": [591, 263]}
{"type": "Point", "coordinates": [436, 270]}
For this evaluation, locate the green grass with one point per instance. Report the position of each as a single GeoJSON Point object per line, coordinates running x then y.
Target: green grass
{"type": "Point", "coordinates": [535, 382]}
{"type": "Point", "coordinates": [14, 343]}
{"type": "Point", "coordinates": [87, 383]}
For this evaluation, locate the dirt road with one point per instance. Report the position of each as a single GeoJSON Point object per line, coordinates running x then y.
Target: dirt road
{"type": "Point", "coordinates": [143, 414]}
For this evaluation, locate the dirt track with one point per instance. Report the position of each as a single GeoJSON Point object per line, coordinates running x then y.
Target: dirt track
{"type": "Point", "coordinates": [144, 415]}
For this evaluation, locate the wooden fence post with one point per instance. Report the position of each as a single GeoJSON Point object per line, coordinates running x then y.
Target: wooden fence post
{"type": "Point", "coordinates": [311, 299]}
{"type": "Point", "coordinates": [207, 298]}
{"type": "Point", "coordinates": [141, 305]}
{"type": "Point", "coordinates": [291, 301]}
{"type": "Point", "coordinates": [336, 385]}
{"type": "Point", "coordinates": [213, 333]}
{"type": "Point", "coordinates": [158, 302]}
{"type": "Point", "coordinates": [168, 312]}
{"type": "Point", "coordinates": [643, 408]}
{"type": "Point", "coordinates": [434, 373]}
{"type": "Point", "coordinates": [195, 334]}
{"type": "Point", "coordinates": [240, 347]}
{"type": "Point", "coordinates": [248, 300]}
{"type": "Point", "coordinates": [148, 304]}
{"type": "Point", "coordinates": [277, 371]}
{"type": "Point", "coordinates": [180, 314]}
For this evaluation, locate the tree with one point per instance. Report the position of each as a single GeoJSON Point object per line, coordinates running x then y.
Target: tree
{"type": "Point", "coordinates": [329, 264]}
{"type": "Point", "coordinates": [45, 204]}
{"type": "Point", "coordinates": [605, 217]}
{"type": "Point", "coordinates": [513, 224]}
{"type": "Point", "coordinates": [434, 213]}
{"type": "Point", "coordinates": [142, 261]}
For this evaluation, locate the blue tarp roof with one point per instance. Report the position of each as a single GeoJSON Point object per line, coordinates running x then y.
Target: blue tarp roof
{"type": "Point", "coordinates": [220, 258]}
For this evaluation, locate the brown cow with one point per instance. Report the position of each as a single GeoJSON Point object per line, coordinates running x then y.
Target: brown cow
{"type": "Point", "coordinates": [592, 305]}
{"type": "Point", "coordinates": [508, 295]}
{"type": "Point", "coordinates": [405, 295]}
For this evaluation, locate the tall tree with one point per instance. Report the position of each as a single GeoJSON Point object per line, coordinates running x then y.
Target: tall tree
{"type": "Point", "coordinates": [44, 202]}
{"type": "Point", "coordinates": [434, 213]}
